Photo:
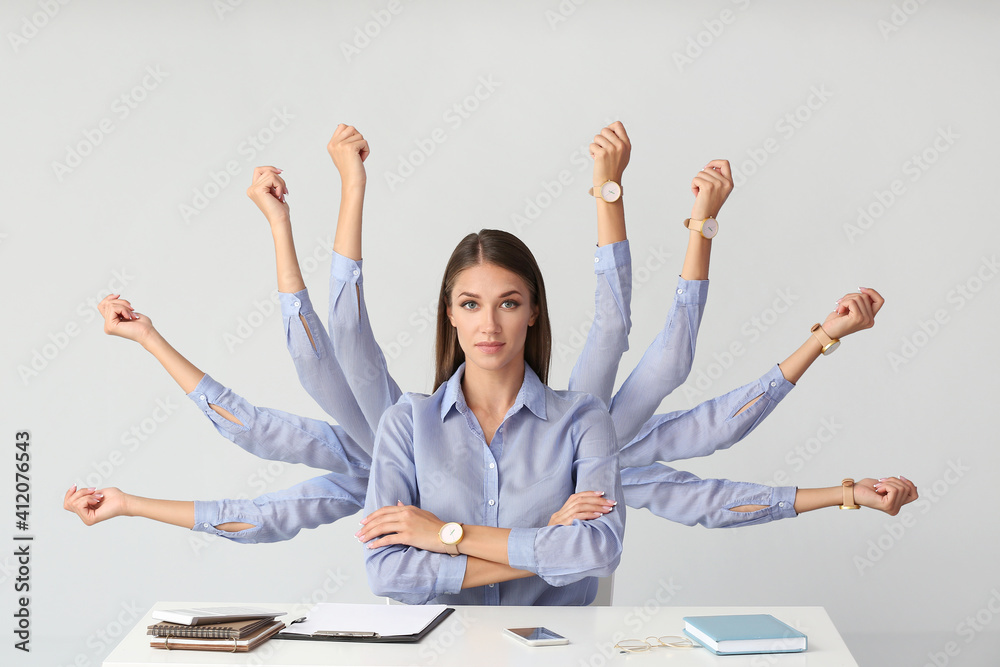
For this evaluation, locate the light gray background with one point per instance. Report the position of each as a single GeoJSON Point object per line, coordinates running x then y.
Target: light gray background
{"type": "Point", "coordinates": [891, 78]}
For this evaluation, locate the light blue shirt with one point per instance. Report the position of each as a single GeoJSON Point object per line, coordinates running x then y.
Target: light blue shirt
{"type": "Point", "coordinates": [431, 452]}
{"type": "Point", "coordinates": [342, 380]}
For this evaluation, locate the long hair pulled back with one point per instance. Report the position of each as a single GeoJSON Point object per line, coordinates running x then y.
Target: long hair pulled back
{"type": "Point", "coordinates": [503, 249]}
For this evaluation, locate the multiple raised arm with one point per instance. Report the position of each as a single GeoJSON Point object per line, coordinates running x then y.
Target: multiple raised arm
{"type": "Point", "coordinates": [346, 373]}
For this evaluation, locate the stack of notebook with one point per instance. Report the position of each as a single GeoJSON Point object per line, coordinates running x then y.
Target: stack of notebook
{"type": "Point", "coordinates": [232, 636]}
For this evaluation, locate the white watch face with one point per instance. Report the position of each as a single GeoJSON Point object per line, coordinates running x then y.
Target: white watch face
{"type": "Point", "coordinates": [610, 192]}
{"type": "Point", "coordinates": [451, 533]}
{"type": "Point", "coordinates": [832, 347]}
{"type": "Point", "coordinates": [709, 228]}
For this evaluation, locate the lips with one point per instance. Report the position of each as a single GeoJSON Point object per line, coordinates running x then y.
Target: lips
{"type": "Point", "coordinates": [489, 347]}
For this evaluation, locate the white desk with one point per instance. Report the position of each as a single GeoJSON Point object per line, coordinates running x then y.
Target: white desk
{"type": "Point", "coordinates": [472, 636]}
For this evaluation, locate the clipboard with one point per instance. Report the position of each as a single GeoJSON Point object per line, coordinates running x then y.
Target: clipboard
{"type": "Point", "coordinates": [370, 637]}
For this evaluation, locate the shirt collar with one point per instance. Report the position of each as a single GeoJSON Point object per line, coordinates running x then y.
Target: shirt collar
{"type": "Point", "coordinates": [531, 395]}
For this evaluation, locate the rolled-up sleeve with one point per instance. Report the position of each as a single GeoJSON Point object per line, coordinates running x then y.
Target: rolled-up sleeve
{"type": "Point", "coordinates": [687, 499]}
{"type": "Point", "coordinates": [280, 436]}
{"type": "Point", "coordinates": [708, 427]}
{"type": "Point", "coordinates": [281, 515]}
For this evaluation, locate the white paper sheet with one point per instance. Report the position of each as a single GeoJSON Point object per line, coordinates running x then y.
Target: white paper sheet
{"type": "Point", "coordinates": [385, 620]}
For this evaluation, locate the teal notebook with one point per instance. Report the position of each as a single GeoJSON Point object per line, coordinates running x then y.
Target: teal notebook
{"type": "Point", "coordinates": [744, 633]}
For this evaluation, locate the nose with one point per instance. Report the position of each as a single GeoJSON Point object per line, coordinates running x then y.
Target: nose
{"type": "Point", "coordinates": [490, 323]}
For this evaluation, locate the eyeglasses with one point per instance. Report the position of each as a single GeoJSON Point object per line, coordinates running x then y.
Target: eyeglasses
{"type": "Point", "coordinates": [667, 641]}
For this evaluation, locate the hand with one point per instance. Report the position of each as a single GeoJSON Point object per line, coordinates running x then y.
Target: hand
{"type": "Point", "coordinates": [711, 187]}
{"type": "Point", "coordinates": [854, 312]}
{"type": "Point", "coordinates": [95, 505]}
{"type": "Point", "coordinates": [349, 150]}
{"type": "Point", "coordinates": [402, 524]}
{"type": "Point", "coordinates": [120, 319]}
{"type": "Point", "coordinates": [268, 191]}
{"type": "Point", "coordinates": [887, 494]}
{"type": "Point", "coordinates": [585, 506]}
{"type": "Point", "coordinates": [611, 150]}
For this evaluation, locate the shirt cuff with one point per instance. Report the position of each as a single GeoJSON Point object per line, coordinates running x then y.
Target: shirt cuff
{"type": "Point", "coordinates": [294, 303]}
{"type": "Point", "coordinates": [521, 549]}
{"type": "Point", "coordinates": [783, 502]}
{"type": "Point", "coordinates": [451, 575]}
{"type": "Point", "coordinates": [775, 386]}
{"type": "Point", "coordinates": [610, 257]}
{"type": "Point", "coordinates": [209, 393]}
{"type": "Point", "coordinates": [345, 270]}
{"type": "Point", "coordinates": [691, 292]}
{"type": "Point", "coordinates": [211, 513]}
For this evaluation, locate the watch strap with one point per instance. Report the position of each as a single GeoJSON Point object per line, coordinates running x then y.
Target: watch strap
{"type": "Point", "coordinates": [849, 502]}
{"type": "Point", "coordinates": [825, 342]}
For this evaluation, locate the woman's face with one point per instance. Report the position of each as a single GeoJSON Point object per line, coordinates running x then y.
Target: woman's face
{"type": "Point", "coordinates": [491, 310]}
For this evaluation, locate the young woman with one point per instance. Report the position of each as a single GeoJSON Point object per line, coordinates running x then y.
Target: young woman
{"type": "Point", "coordinates": [347, 375]}
{"type": "Point", "coordinates": [511, 451]}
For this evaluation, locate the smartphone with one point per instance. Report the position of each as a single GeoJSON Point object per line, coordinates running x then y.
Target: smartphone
{"type": "Point", "coordinates": [536, 636]}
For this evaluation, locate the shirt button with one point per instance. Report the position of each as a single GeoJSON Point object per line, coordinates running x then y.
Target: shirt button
{"type": "Point", "coordinates": [202, 397]}
{"type": "Point", "coordinates": [492, 466]}
{"type": "Point", "coordinates": [492, 502]}
{"type": "Point", "coordinates": [492, 585]}
{"type": "Point", "coordinates": [781, 504]}
{"type": "Point", "coordinates": [774, 384]}
{"type": "Point", "coordinates": [356, 272]}
{"type": "Point", "coordinates": [206, 525]}
{"type": "Point", "coordinates": [597, 260]}
{"type": "Point", "coordinates": [296, 304]}
{"type": "Point", "coordinates": [680, 291]}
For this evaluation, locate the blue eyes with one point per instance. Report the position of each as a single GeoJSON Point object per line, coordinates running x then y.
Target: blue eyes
{"type": "Point", "coordinates": [508, 304]}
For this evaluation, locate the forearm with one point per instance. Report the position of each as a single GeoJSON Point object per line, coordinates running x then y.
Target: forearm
{"type": "Point", "coordinates": [485, 543]}
{"type": "Point", "coordinates": [796, 364]}
{"type": "Point", "coordinates": [286, 261]}
{"type": "Point", "coordinates": [347, 240]}
{"type": "Point", "coordinates": [184, 373]}
{"type": "Point", "coordinates": [175, 512]}
{"type": "Point", "coordinates": [699, 251]}
{"type": "Point", "coordinates": [479, 572]}
{"type": "Point", "coordinates": [610, 222]}
{"type": "Point", "coordinates": [807, 500]}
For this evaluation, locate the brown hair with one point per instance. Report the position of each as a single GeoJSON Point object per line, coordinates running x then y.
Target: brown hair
{"type": "Point", "coordinates": [503, 249]}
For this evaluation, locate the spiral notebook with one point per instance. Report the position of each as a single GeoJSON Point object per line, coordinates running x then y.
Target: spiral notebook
{"type": "Point", "coordinates": [232, 630]}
